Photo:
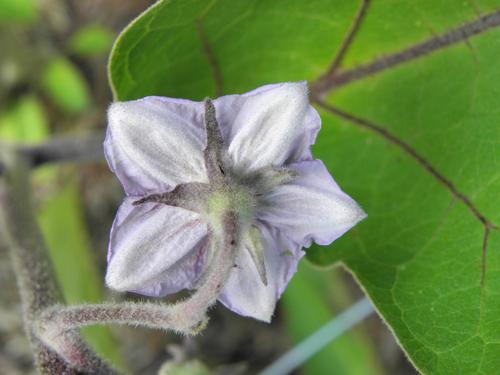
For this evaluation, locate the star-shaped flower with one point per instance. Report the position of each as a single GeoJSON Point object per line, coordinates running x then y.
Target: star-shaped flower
{"type": "Point", "coordinates": [183, 164]}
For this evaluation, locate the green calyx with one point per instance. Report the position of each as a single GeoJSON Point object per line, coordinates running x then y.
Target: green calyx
{"type": "Point", "coordinates": [242, 201]}
{"type": "Point", "coordinates": [237, 199]}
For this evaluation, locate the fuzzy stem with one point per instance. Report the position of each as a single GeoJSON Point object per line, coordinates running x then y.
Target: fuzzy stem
{"type": "Point", "coordinates": [32, 268]}
{"type": "Point", "coordinates": [186, 317]}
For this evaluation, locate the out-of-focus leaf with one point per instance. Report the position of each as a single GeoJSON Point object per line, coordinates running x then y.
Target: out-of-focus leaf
{"type": "Point", "coordinates": [184, 368]}
{"type": "Point", "coordinates": [21, 11]}
{"type": "Point", "coordinates": [424, 255]}
{"type": "Point", "coordinates": [61, 220]}
{"type": "Point", "coordinates": [65, 85]}
{"type": "Point", "coordinates": [24, 122]}
{"type": "Point", "coordinates": [306, 309]}
{"type": "Point", "coordinates": [91, 40]}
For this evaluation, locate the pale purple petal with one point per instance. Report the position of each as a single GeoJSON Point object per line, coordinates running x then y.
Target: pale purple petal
{"type": "Point", "coordinates": [272, 125]}
{"type": "Point", "coordinates": [245, 293]}
{"type": "Point", "coordinates": [311, 207]}
{"type": "Point", "coordinates": [148, 242]}
{"type": "Point", "coordinates": [182, 275]}
{"type": "Point", "coordinates": [154, 144]}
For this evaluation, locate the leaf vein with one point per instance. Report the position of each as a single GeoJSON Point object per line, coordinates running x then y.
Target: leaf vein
{"type": "Point", "coordinates": [346, 43]}
{"type": "Point", "coordinates": [333, 80]}
{"type": "Point", "coordinates": [208, 52]}
{"type": "Point", "coordinates": [407, 149]}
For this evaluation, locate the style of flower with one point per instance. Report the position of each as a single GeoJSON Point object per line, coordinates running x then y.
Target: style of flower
{"type": "Point", "coordinates": [183, 164]}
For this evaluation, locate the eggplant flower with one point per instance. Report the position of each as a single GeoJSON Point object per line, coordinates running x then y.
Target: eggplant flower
{"type": "Point", "coordinates": [183, 164]}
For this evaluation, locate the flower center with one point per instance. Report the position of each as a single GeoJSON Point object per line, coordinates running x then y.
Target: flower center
{"type": "Point", "coordinates": [237, 198]}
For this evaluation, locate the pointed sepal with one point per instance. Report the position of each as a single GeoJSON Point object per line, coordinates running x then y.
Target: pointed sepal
{"type": "Point", "coordinates": [253, 244]}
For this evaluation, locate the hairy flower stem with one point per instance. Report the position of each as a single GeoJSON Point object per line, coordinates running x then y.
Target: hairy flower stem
{"type": "Point", "coordinates": [38, 290]}
{"type": "Point", "coordinates": [186, 317]}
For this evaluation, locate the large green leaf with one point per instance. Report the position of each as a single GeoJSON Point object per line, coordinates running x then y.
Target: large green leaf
{"type": "Point", "coordinates": [162, 52]}
{"type": "Point", "coordinates": [426, 167]}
